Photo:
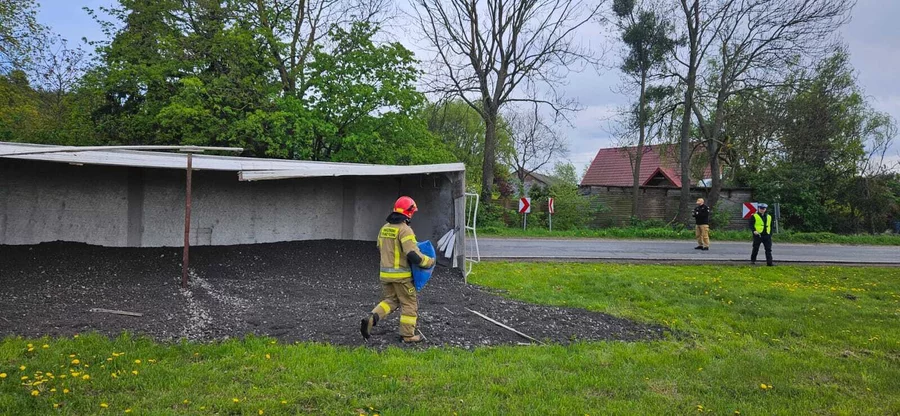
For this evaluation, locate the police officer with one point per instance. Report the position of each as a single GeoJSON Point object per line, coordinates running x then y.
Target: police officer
{"type": "Point", "coordinates": [399, 248]}
{"type": "Point", "coordinates": [761, 224]}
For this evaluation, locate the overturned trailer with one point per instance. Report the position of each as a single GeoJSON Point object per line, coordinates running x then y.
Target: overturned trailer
{"type": "Point", "coordinates": [120, 198]}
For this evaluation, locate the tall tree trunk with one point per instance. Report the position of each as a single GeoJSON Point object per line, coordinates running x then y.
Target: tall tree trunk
{"type": "Point", "coordinates": [636, 174]}
{"type": "Point", "coordinates": [490, 154]}
{"type": "Point", "coordinates": [713, 151]}
{"type": "Point", "coordinates": [693, 22]}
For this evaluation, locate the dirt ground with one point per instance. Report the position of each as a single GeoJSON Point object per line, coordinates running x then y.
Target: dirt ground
{"type": "Point", "coordinates": [297, 291]}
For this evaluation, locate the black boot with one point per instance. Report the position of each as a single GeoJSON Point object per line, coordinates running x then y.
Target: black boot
{"type": "Point", "coordinates": [365, 326]}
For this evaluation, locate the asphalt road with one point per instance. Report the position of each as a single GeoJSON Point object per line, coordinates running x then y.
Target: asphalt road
{"type": "Point", "coordinates": [679, 251]}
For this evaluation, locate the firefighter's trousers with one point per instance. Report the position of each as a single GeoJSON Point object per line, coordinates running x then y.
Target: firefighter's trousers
{"type": "Point", "coordinates": [400, 294]}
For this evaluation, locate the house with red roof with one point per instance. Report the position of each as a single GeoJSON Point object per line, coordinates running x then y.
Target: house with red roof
{"type": "Point", "coordinates": [609, 179]}
{"type": "Point", "coordinates": [660, 167]}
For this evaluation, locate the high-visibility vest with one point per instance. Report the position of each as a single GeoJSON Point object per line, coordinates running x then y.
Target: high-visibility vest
{"type": "Point", "coordinates": [759, 226]}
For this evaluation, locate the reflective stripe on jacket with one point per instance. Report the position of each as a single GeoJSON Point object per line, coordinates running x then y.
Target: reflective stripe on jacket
{"type": "Point", "coordinates": [395, 241]}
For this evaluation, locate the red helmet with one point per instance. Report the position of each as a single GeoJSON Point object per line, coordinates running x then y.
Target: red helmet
{"type": "Point", "coordinates": [406, 206]}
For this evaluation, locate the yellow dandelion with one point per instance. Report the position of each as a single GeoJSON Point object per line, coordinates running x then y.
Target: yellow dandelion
{"type": "Point", "coordinates": [76, 374]}
{"type": "Point", "coordinates": [49, 375]}
{"type": "Point", "coordinates": [114, 375]}
{"type": "Point", "coordinates": [24, 377]}
{"type": "Point", "coordinates": [56, 405]}
{"type": "Point", "coordinates": [260, 412]}
{"type": "Point", "coordinates": [127, 410]}
{"type": "Point", "coordinates": [30, 349]}
{"type": "Point", "coordinates": [235, 400]}
{"type": "Point", "coordinates": [30, 345]}
{"type": "Point", "coordinates": [62, 376]}
{"type": "Point", "coordinates": [22, 368]}
{"type": "Point", "coordinates": [202, 407]}
{"type": "Point", "coordinates": [137, 361]}
{"type": "Point", "coordinates": [45, 346]}
{"type": "Point", "coordinates": [268, 356]}
{"type": "Point", "coordinates": [71, 355]}
{"type": "Point", "coordinates": [2, 375]}
{"type": "Point", "coordinates": [134, 372]}
{"type": "Point", "coordinates": [284, 402]}
{"type": "Point", "coordinates": [53, 390]}
{"type": "Point", "coordinates": [186, 401]}
{"type": "Point", "coordinates": [65, 391]}
{"type": "Point", "coordinates": [104, 405]}
{"type": "Point", "coordinates": [762, 386]}
{"type": "Point", "coordinates": [115, 354]}
{"type": "Point", "coordinates": [76, 361]}
{"type": "Point", "coordinates": [86, 377]}
{"type": "Point", "coordinates": [109, 359]}
{"type": "Point", "coordinates": [75, 336]}
{"type": "Point", "coordinates": [35, 392]}
{"type": "Point", "coordinates": [151, 361]}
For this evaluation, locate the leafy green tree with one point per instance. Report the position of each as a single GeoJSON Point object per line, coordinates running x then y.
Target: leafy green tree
{"type": "Point", "coordinates": [648, 39]}
{"type": "Point", "coordinates": [820, 146]}
{"type": "Point", "coordinates": [202, 73]}
{"type": "Point", "coordinates": [20, 34]}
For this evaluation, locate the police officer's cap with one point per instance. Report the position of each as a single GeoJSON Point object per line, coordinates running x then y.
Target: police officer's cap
{"type": "Point", "coordinates": [761, 206]}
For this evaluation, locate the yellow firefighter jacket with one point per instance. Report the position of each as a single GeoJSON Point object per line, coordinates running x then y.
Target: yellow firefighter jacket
{"type": "Point", "coordinates": [396, 241]}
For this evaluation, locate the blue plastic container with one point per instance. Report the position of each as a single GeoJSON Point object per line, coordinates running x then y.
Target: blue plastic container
{"type": "Point", "coordinates": [420, 275]}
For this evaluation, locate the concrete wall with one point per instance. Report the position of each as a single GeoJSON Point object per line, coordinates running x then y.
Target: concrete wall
{"type": "Point", "coordinates": [135, 207]}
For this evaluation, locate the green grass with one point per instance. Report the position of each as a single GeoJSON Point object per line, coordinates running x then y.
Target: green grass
{"type": "Point", "coordinates": [825, 338]}
{"type": "Point", "coordinates": [670, 234]}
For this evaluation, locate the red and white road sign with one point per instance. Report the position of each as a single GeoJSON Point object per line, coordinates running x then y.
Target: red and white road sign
{"type": "Point", "coordinates": [550, 206]}
{"type": "Point", "coordinates": [749, 209]}
{"type": "Point", "coordinates": [524, 205]}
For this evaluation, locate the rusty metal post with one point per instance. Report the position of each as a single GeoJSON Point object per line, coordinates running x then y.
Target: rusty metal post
{"type": "Point", "coordinates": [187, 224]}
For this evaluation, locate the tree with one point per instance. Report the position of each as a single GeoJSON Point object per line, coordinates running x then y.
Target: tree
{"type": "Point", "coordinates": [648, 40]}
{"type": "Point", "coordinates": [534, 144]}
{"type": "Point", "coordinates": [461, 129]}
{"type": "Point", "coordinates": [753, 42]}
{"type": "Point", "coordinates": [688, 79]}
{"type": "Point", "coordinates": [494, 52]}
{"type": "Point", "coordinates": [20, 33]}
{"type": "Point", "coordinates": [292, 31]}
{"type": "Point", "coordinates": [199, 72]}
{"type": "Point", "coordinates": [814, 169]}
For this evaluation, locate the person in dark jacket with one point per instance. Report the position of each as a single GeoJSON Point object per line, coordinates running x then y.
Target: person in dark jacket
{"type": "Point", "coordinates": [701, 216]}
{"type": "Point", "coordinates": [761, 224]}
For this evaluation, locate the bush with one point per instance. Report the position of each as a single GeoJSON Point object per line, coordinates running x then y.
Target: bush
{"type": "Point", "coordinates": [720, 216]}
{"type": "Point", "coordinates": [573, 210]}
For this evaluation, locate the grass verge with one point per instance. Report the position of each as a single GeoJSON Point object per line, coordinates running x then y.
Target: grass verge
{"type": "Point", "coordinates": [783, 340]}
{"type": "Point", "coordinates": [716, 235]}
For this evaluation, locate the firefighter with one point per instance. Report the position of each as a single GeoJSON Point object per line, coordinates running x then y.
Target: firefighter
{"type": "Point", "coordinates": [399, 249]}
{"type": "Point", "coordinates": [761, 224]}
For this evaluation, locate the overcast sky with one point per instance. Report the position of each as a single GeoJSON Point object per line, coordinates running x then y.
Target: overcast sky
{"type": "Point", "coordinates": [873, 37]}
